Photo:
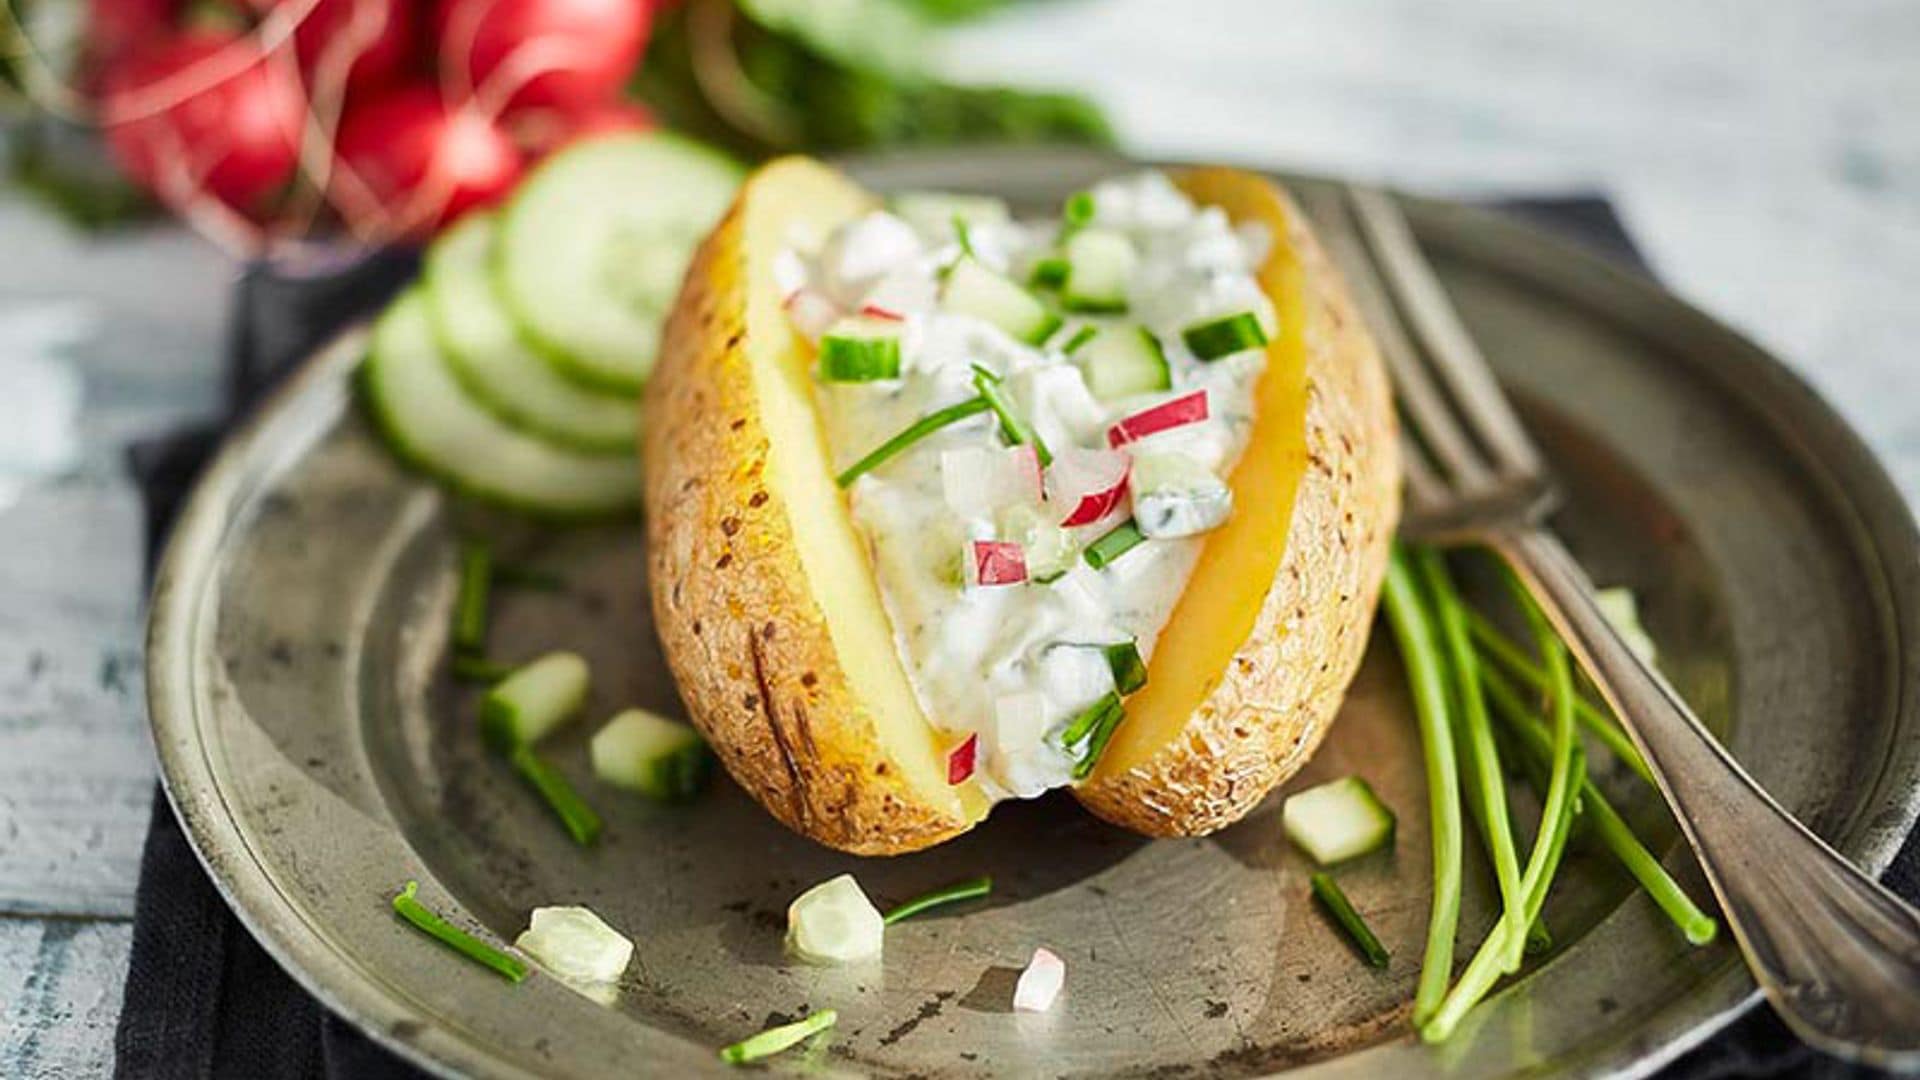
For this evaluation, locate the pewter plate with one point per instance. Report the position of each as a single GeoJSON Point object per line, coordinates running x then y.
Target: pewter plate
{"type": "Point", "coordinates": [319, 756]}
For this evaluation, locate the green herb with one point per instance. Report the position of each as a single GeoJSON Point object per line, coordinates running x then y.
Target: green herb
{"type": "Point", "coordinates": [1078, 211]}
{"type": "Point", "coordinates": [1129, 671]}
{"type": "Point", "coordinates": [1328, 892]}
{"type": "Point", "coordinates": [1426, 675]}
{"type": "Point", "coordinates": [408, 907]}
{"type": "Point", "coordinates": [1080, 337]}
{"type": "Point", "coordinates": [1016, 430]}
{"type": "Point", "coordinates": [479, 669]}
{"type": "Point", "coordinates": [470, 605]}
{"type": "Point", "coordinates": [581, 822]}
{"type": "Point", "coordinates": [775, 1039]}
{"type": "Point", "coordinates": [1097, 742]}
{"type": "Point", "coordinates": [1088, 719]}
{"type": "Point", "coordinates": [911, 434]}
{"type": "Point", "coordinates": [964, 235]}
{"type": "Point", "coordinates": [1049, 272]}
{"type": "Point", "coordinates": [1123, 538]}
{"type": "Point", "coordinates": [1595, 719]}
{"type": "Point", "coordinates": [1613, 831]}
{"type": "Point", "coordinates": [1485, 784]}
{"type": "Point", "coordinates": [970, 889]}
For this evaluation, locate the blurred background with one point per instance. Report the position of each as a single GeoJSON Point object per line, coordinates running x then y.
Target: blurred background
{"type": "Point", "coordinates": [1763, 153]}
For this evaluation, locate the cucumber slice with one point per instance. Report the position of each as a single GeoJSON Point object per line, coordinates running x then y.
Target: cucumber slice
{"type": "Point", "coordinates": [972, 289]}
{"type": "Point", "coordinates": [1229, 334]}
{"type": "Point", "coordinates": [1338, 820]}
{"type": "Point", "coordinates": [860, 349]}
{"type": "Point", "coordinates": [835, 923]}
{"type": "Point", "coordinates": [1176, 495]}
{"type": "Point", "coordinates": [524, 707]}
{"type": "Point", "coordinates": [592, 248]}
{"type": "Point", "coordinates": [432, 424]}
{"type": "Point", "coordinates": [496, 366]}
{"type": "Point", "coordinates": [933, 213]}
{"type": "Point", "coordinates": [1123, 361]}
{"type": "Point", "coordinates": [652, 755]}
{"type": "Point", "coordinates": [1099, 267]}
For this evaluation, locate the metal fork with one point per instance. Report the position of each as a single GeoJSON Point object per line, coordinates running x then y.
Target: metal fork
{"type": "Point", "coordinates": [1837, 954]}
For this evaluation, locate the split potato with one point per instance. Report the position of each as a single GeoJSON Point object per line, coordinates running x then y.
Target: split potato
{"type": "Point", "coordinates": [773, 624]}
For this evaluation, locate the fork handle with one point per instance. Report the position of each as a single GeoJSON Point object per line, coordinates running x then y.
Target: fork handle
{"type": "Point", "coordinates": [1836, 953]}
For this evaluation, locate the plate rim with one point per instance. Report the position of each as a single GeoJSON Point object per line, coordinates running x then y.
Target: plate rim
{"type": "Point", "coordinates": [1831, 450]}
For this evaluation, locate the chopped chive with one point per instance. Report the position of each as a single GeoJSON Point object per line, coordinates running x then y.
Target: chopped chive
{"type": "Point", "coordinates": [470, 607]}
{"type": "Point", "coordinates": [1613, 830]}
{"type": "Point", "coordinates": [408, 907]}
{"type": "Point", "coordinates": [1078, 210]}
{"type": "Point", "coordinates": [1124, 538]}
{"type": "Point", "coordinates": [1049, 272]}
{"type": "Point", "coordinates": [1328, 892]}
{"type": "Point", "coordinates": [970, 889]}
{"type": "Point", "coordinates": [775, 1039]}
{"type": "Point", "coordinates": [1598, 722]}
{"type": "Point", "coordinates": [1087, 720]}
{"type": "Point", "coordinates": [962, 233]}
{"type": "Point", "coordinates": [1016, 430]}
{"type": "Point", "coordinates": [1080, 337]}
{"type": "Point", "coordinates": [1426, 673]}
{"type": "Point", "coordinates": [1097, 741]}
{"type": "Point", "coordinates": [581, 822]}
{"type": "Point", "coordinates": [478, 669]}
{"type": "Point", "coordinates": [528, 577]}
{"type": "Point", "coordinates": [1129, 671]}
{"type": "Point", "coordinates": [911, 434]}
{"type": "Point", "coordinates": [1215, 338]}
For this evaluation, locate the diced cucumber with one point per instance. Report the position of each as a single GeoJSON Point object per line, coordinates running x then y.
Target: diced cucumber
{"type": "Point", "coordinates": [933, 213]}
{"type": "Point", "coordinates": [431, 423]}
{"type": "Point", "coordinates": [1122, 361]}
{"type": "Point", "coordinates": [497, 367]}
{"type": "Point", "coordinates": [652, 755]}
{"type": "Point", "coordinates": [1099, 268]}
{"type": "Point", "coordinates": [835, 923]}
{"type": "Point", "coordinates": [1212, 339]}
{"type": "Point", "coordinates": [860, 349]}
{"type": "Point", "coordinates": [525, 706]}
{"type": "Point", "coordinates": [1338, 820]}
{"type": "Point", "coordinates": [1129, 671]}
{"type": "Point", "coordinates": [1176, 495]}
{"type": "Point", "coordinates": [592, 248]}
{"type": "Point", "coordinates": [972, 289]}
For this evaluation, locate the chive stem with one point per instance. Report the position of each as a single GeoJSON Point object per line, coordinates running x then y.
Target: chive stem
{"type": "Point", "coordinates": [470, 606]}
{"type": "Point", "coordinates": [1016, 430]}
{"type": "Point", "coordinates": [1485, 784]}
{"type": "Point", "coordinates": [1406, 614]}
{"type": "Point", "coordinates": [1592, 716]}
{"type": "Point", "coordinates": [580, 820]}
{"type": "Point", "coordinates": [911, 434]}
{"type": "Point", "coordinates": [408, 906]}
{"type": "Point", "coordinates": [970, 889]}
{"type": "Point", "coordinates": [1112, 544]}
{"type": "Point", "coordinates": [775, 1039]}
{"type": "Point", "coordinates": [1329, 893]}
{"type": "Point", "coordinates": [1097, 742]}
{"type": "Point", "coordinates": [478, 669]}
{"type": "Point", "coordinates": [1612, 829]}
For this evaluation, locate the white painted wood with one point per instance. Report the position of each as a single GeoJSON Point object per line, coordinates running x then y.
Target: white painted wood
{"type": "Point", "coordinates": [59, 996]}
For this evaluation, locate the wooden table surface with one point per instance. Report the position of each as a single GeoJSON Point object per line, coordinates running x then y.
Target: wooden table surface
{"type": "Point", "coordinates": [1764, 152]}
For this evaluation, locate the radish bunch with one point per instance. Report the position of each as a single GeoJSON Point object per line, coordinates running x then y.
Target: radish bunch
{"type": "Point", "coordinates": [255, 118]}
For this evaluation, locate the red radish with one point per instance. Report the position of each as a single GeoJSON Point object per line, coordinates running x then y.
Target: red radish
{"type": "Point", "coordinates": [204, 113]}
{"type": "Point", "coordinates": [408, 164]}
{"type": "Point", "coordinates": [981, 481]}
{"type": "Point", "coordinates": [114, 26]}
{"type": "Point", "coordinates": [1186, 409]}
{"type": "Point", "coordinates": [522, 54]}
{"type": "Point", "coordinates": [960, 761]}
{"type": "Point", "coordinates": [355, 45]}
{"type": "Point", "coordinates": [875, 311]}
{"type": "Point", "coordinates": [810, 312]}
{"type": "Point", "coordinates": [1040, 983]}
{"type": "Point", "coordinates": [995, 562]}
{"type": "Point", "coordinates": [1091, 483]}
{"type": "Point", "coordinates": [542, 131]}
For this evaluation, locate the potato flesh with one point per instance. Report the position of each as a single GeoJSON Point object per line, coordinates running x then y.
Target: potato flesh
{"type": "Point", "coordinates": [813, 200]}
{"type": "Point", "coordinates": [1223, 597]}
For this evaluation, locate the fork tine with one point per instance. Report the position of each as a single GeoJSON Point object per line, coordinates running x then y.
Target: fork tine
{"type": "Point", "coordinates": [1422, 402]}
{"type": "Point", "coordinates": [1459, 361]}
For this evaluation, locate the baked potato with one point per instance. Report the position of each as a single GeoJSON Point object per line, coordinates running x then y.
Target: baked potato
{"type": "Point", "coordinates": [765, 595]}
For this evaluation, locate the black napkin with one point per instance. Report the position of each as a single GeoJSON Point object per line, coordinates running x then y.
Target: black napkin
{"type": "Point", "coordinates": [205, 1001]}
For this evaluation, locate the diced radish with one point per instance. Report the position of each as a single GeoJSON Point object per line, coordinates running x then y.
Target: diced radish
{"type": "Point", "coordinates": [875, 311]}
{"type": "Point", "coordinates": [1190, 408]}
{"type": "Point", "coordinates": [960, 760]}
{"type": "Point", "coordinates": [811, 313]}
{"type": "Point", "coordinates": [995, 562]}
{"type": "Point", "coordinates": [982, 481]}
{"type": "Point", "coordinates": [1040, 983]}
{"type": "Point", "coordinates": [1091, 483]}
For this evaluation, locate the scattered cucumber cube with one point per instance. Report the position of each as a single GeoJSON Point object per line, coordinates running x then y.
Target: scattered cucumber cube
{"type": "Point", "coordinates": [1099, 267]}
{"type": "Point", "coordinates": [525, 706]}
{"type": "Point", "coordinates": [652, 755]}
{"type": "Point", "coordinates": [1338, 820]}
{"type": "Point", "coordinates": [1123, 361]}
{"type": "Point", "coordinates": [972, 289]}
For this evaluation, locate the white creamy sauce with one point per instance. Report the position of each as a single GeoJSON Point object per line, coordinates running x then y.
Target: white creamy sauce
{"type": "Point", "coordinates": [1015, 664]}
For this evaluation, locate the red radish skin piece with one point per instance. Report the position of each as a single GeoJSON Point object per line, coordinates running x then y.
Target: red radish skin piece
{"type": "Point", "coordinates": [997, 562]}
{"type": "Point", "coordinates": [528, 54]}
{"type": "Point", "coordinates": [1040, 984]}
{"type": "Point", "coordinates": [1186, 409]}
{"type": "Point", "coordinates": [1027, 459]}
{"type": "Point", "coordinates": [355, 45]}
{"type": "Point", "coordinates": [114, 26]}
{"type": "Point", "coordinates": [1092, 482]}
{"type": "Point", "coordinates": [875, 311]}
{"type": "Point", "coordinates": [408, 164]}
{"type": "Point", "coordinates": [961, 761]}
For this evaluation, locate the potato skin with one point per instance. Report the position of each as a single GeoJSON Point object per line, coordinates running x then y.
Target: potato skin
{"type": "Point", "coordinates": [746, 641]}
{"type": "Point", "coordinates": [1279, 695]}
